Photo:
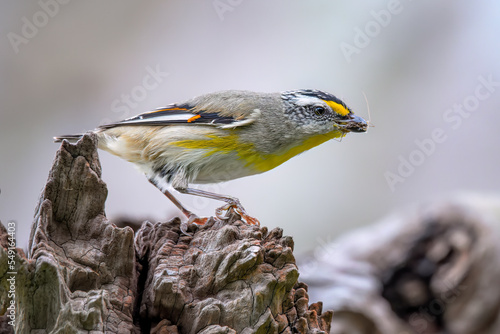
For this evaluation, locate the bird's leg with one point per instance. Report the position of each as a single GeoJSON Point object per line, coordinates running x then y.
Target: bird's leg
{"type": "Point", "coordinates": [233, 204]}
{"type": "Point", "coordinates": [192, 218]}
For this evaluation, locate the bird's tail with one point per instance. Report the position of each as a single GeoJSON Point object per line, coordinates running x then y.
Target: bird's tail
{"type": "Point", "coordinates": [70, 138]}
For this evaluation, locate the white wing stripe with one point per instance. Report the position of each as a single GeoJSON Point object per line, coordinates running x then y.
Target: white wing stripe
{"type": "Point", "coordinates": [255, 114]}
{"type": "Point", "coordinates": [164, 118]}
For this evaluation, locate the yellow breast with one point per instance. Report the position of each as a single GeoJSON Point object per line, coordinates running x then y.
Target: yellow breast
{"type": "Point", "coordinates": [269, 161]}
{"type": "Point", "coordinates": [247, 152]}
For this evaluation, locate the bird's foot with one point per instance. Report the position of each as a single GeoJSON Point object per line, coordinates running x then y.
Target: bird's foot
{"type": "Point", "coordinates": [227, 211]}
{"type": "Point", "coordinates": [193, 220]}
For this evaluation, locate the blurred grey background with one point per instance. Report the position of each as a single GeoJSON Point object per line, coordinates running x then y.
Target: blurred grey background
{"type": "Point", "coordinates": [430, 72]}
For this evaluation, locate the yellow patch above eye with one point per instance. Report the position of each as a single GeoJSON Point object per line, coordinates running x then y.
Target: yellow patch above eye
{"type": "Point", "coordinates": [338, 108]}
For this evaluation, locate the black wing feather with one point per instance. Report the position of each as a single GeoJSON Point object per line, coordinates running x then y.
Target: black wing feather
{"type": "Point", "coordinates": [173, 114]}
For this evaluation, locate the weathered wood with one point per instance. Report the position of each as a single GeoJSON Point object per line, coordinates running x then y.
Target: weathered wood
{"type": "Point", "coordinates": [84, 274]}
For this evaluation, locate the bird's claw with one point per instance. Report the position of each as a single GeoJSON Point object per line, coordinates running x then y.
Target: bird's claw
{"type": "Point", "coordinates": [226, 211]}
{"type": "Point", "coordinates": [193, 219]}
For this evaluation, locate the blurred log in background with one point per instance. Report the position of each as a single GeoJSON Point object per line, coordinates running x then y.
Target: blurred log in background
{"type": "Point", "coordinates": [432, 269]}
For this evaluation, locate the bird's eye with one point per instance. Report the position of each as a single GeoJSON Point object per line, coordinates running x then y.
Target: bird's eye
{"type": "Point", "coordinates": [319, 110]}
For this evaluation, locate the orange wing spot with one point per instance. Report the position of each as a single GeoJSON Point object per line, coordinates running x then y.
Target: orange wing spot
{"type": "Point", "coordinates": [194, 118]}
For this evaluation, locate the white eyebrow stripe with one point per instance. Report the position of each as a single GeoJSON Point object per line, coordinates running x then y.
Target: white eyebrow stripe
{"type": "Point", "coordinates": [307, 100]}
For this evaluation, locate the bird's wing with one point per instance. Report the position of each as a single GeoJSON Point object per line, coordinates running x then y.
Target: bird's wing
{"type": "Point", "coordinates": [189, 114]}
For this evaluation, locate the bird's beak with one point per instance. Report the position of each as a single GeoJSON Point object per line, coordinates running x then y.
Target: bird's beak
{"type": "Point", "coordinates": [353, 124]}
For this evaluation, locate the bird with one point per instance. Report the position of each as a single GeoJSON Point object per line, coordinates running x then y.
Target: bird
{"type": "Point", "coordinates": [223, 136]}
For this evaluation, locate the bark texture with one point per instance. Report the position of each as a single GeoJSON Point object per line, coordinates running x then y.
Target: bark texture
{"type": "Point", "coordinates": [86, 275]}
{"type": "Point", "coordinates": [432, 270]}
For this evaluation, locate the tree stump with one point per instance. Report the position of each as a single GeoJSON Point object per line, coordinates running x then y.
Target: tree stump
{"type": "Point", "coordinates": [84, 274]}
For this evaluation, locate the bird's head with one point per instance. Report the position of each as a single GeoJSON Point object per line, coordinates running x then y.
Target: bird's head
{"type": "Point", "coordinates": [317, 112]}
